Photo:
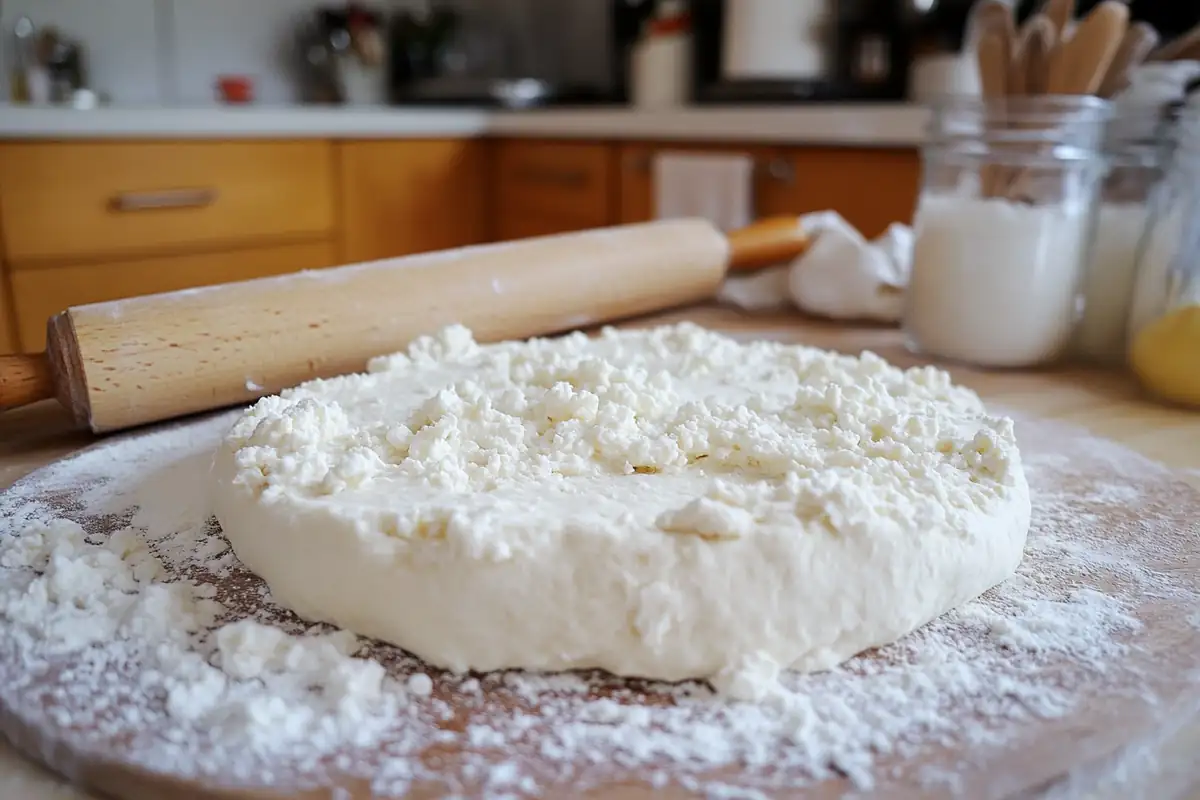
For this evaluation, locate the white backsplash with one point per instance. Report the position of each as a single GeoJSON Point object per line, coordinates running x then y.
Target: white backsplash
{"type": "Point", "coordinates": [169, 52]}
{"type": "Point", "coordinates": [237, 37]}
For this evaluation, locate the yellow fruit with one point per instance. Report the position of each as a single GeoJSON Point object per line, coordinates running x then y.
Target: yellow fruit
{"type": "Point", "coordinates": [1166, 356]}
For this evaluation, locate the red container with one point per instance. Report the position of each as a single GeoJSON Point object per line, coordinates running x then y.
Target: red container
{"type": "Point", "coordinates": [235, 89]}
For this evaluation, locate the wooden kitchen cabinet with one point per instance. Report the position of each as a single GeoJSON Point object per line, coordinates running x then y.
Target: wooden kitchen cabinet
{"type": "Point", "coordinates": [8, 324]}
{"type": "Point", "coordinates": [870, 188]}
{"type": "Point", "coordinates": [411, 196]}
{"type": "Point", "coordinates": [547, 187]}
{"type": "Point", "coordinates": [40, 292]}
{"type": "Point", "coordinates": [70, 201]}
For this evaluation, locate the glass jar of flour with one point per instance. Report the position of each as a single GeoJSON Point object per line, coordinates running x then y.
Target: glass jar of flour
{"type": "Point", "coordinates": [1002, 227]}
{"type": "Point", "coordinates": [1164, 321]}
{"type": "Point", "coordinates": [1138, 143]}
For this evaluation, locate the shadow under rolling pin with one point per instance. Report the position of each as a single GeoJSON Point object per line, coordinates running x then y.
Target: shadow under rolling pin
{"type": "Point", "coordinates": [125, 363]}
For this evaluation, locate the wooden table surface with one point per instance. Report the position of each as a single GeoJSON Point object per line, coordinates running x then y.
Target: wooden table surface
{"type": "Point", "coordinates": [1107, 404]}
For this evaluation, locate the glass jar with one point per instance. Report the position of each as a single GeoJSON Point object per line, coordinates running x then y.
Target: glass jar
{"type": "Point", "coordinates": [1002, 223]}
{"type": "Point", "coordinates": [1138, 142]}
{"type": "Point", "coordinates": [1164, 323]}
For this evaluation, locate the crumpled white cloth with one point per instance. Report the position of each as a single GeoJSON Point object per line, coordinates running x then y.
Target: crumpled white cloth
{"type": "Point", "coordinates": [1157, 83]}
{"type": "Point", "coordinates": [841, 276]}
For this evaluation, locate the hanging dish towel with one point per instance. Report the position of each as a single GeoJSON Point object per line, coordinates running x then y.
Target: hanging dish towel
{"type": "Point", "coordinates": [718, 188]}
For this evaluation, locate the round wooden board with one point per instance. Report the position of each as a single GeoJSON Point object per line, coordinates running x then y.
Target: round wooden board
{"type": "Point", "coordinates": [1152, 684]}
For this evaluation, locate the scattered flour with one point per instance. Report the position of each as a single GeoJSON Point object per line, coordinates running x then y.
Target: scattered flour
{"type": "Point", "coordinates": [129, 630]}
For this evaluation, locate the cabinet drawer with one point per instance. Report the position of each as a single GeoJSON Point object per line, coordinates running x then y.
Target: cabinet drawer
{"type": "Point", "coordinates": [68, 201]}
{"type": "Point", "coordinates": [41, 292]}
{"type": "Point", "coordinates": [566, 180]}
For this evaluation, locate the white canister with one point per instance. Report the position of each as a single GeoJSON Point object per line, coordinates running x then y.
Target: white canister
{"type": "Point", "coordinates": [661, 62]}
{"type": "Point", "coordinates": [939, 75]}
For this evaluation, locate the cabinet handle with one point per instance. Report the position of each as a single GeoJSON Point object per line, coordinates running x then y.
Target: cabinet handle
{"type": "Point", "coordinates": [167, 198]}
{"type": "Point", "coordinates": [567, 179]}
{"type": "Point", "coordinates": [779, 170]}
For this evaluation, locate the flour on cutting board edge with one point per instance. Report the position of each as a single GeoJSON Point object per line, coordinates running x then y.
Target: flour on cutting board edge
{"type": "Point", "coordinates": [163, 641]}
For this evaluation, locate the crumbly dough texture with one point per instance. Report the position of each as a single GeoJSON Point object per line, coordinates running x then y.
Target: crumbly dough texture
{"type": "Point", "coordinates": [667, 503]}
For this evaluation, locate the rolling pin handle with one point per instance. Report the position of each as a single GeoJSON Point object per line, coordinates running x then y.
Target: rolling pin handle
{"type": "Point", "coordinates": [25, 379]}
{"type": "Point", "coordinates": [769, 241]}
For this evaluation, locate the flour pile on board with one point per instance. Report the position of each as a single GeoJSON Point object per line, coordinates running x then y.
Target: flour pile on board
{"type": "Point", "coordinates": [130, 630]}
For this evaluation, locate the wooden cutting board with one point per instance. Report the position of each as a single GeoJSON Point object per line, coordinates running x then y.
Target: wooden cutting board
{"type": "Point", "coordinates": [1152, 691]}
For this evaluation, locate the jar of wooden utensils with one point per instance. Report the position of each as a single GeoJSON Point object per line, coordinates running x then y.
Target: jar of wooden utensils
{"type": "Point", "coordinates": [1138, 143]}
{"type": "Point", "coordinates": [1002, 227]}
{"type": "Point", "coordinates": [1164, 323]}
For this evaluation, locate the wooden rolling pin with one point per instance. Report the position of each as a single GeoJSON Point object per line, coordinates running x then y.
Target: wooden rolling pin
{"type": "Point", "coordinates": [129, 362]}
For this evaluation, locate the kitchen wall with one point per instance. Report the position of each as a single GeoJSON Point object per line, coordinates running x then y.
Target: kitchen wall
{"type": "Point", "coordinates": [168, 52]}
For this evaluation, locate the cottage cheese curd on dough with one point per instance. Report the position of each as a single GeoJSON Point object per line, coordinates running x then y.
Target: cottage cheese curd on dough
{"type": "Point", "coordinates": [665, 503]}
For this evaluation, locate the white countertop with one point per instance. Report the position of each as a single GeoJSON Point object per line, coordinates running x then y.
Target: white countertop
{"type": "Point", "coordinates": [861, 125]}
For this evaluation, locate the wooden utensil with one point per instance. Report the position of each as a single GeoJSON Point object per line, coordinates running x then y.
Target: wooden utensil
{"type": "Point", "coordinates": [1137, 43]}
{"type": "Point", "coordinates": [1060, 13]}
{"type": "Point", "coordinates": [1078, 66]}
{"type": "Point", "coordinates": [128, 362]}
{"type": "Point", "coordinates": [993, 54]}
{"type": "Point", "coordinates": [991, 15]}
{"type": "Point", "coordinates": [1181, 48]}
{"type": "Point", "coordinates": [1031, 57]}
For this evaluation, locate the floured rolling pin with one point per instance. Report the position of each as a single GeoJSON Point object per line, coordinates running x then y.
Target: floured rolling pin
{"type": "Point", "coordinates": [129, 362]}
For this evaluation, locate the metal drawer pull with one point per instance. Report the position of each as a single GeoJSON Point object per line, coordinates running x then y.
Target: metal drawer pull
{"type": "Point", "coordinates": [167, 198]}
{"type": "Point", "coordinates": [779, 170]}
{"type": "Point", "coordinates": [639, 162]}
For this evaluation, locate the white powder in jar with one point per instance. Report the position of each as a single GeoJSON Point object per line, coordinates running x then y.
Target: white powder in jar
{"type": "Point", "coordinates": [994, 282]}
{"type": "Point", "coordinates": [1109, 279]}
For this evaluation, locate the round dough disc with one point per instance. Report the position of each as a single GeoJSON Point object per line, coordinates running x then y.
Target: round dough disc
{"type": "Point", "coordinates": [665, 503]}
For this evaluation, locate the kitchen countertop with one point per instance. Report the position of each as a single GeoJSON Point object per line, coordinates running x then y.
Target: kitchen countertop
{"type": "Point", "coordinates": [1107, 404]}
{"type": "Point", "coordinates": [862, 125]}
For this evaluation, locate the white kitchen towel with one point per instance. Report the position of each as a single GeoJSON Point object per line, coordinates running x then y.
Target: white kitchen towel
{"type": "Point", "coordinates": [718, 188]}
{"type": "Point", "coordinates": [841, 276]}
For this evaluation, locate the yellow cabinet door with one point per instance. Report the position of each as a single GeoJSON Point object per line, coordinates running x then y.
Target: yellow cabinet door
{"type": "Point", "coordinates": [40, 292]}
{"type": "Point", "coordinates": [871, 188]}
{"type": "Point", "coordinates": [8, 326]}
{"type": "Point", "coordinates": [411, 196]}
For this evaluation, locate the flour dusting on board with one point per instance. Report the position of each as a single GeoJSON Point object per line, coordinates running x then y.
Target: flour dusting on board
{"type": "Point", "coordinates": [129, 630]}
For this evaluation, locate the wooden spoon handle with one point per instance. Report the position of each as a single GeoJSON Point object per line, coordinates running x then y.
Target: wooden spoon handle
{"type": "Point", "coordinates": [1139, 40]}
{"type": "Point", "coordinates": [1180, 48]}
{"type": "Point", "coordinates": [1080, 64]}
{"type": "Point", "coordinates": [1060, 13]}
{"type": "Point", "coordinates": [766, 242]}
{"type": "Point", "coordinates": [1037, 47]}
{"type": "Point", "coordinates": [25, 379]}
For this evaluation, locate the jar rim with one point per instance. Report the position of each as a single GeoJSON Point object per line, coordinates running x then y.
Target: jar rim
{"type": "Point", "coordinates": [1022, 104]}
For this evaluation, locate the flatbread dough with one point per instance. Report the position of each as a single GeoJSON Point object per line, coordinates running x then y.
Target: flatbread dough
{"type": "Point", "coordinates": [664, 503]}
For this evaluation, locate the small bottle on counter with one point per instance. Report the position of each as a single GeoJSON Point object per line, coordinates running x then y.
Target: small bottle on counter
{"type": "Point", "coordinates": [1137, 146]}
{"type": "Point", "coordinates": [661, 61]}
{"type": "Point", "coordinates": [1164, 325]}
{"type": "Point", "coordinates": [1002, 227]}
